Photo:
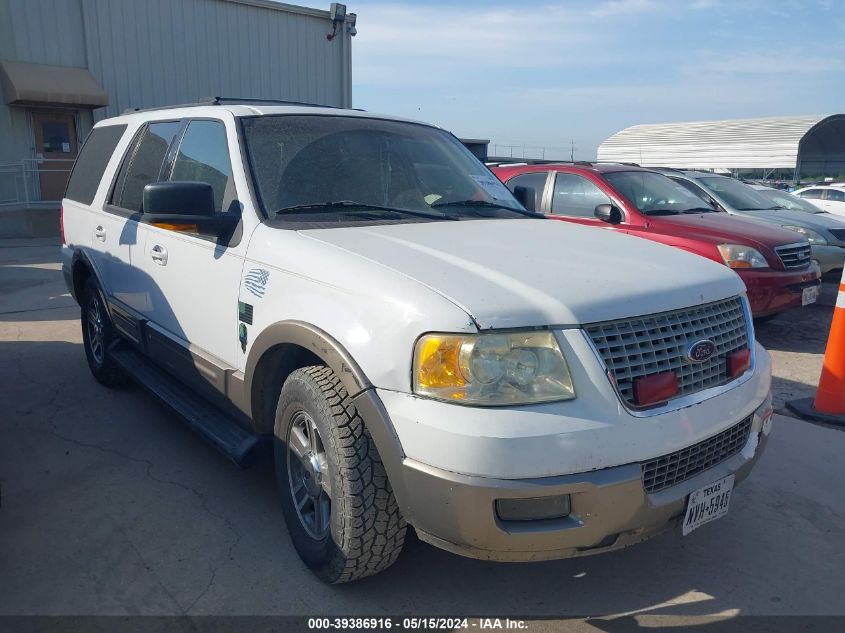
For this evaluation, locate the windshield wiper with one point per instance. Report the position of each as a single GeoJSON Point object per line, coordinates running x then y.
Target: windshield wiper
{"type": "Point", "coordinates": [661, 212]}
{"type": "Point", "coordinates": [484, 204]}
{"type": "Point", "coordinates": [699, 210]}
{"type": "Point", "coordinates": [350, 206]}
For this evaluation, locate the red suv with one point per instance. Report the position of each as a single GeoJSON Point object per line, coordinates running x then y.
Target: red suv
{"type": "Point", "coordinates": [774, 263]}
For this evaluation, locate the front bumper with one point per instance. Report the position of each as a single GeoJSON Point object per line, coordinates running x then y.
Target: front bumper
{"type": "Point", "coordinates": [448, 464]}
{"type": "Point", "coordinates": [829, 257]}
{"type": "Point", "coordinates": [610, 508]}
{"type": "Point", "coordinates": [771, 291]}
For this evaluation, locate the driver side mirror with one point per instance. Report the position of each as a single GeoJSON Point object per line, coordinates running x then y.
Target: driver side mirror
{"type": "Point", "coordinates": [526, 196]}
{"type": "Point", "coordinates": [608, 213]}
{"type": "Point", "coordinates": [181, 206]}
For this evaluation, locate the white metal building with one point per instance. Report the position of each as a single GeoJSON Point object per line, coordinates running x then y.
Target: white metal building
{"type": "Point", "coordinates": [65, 64]}
{"type": "Point", "coordinates": [803, 146]}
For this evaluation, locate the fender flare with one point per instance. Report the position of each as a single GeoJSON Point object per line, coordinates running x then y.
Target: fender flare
{"type": "Point", "coordinates": [78, 256]}
{"type": "Point", "coordinates": [316, 341]}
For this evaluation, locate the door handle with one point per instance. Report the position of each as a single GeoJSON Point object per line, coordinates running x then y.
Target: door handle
{"type": "Point", "coordinates": [100, 233]}
{"type": "Point", "coordinates": [159, 255]}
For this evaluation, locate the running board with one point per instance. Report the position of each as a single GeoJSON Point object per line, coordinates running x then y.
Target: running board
{"type": "Point", "coordinates": [218, 429]}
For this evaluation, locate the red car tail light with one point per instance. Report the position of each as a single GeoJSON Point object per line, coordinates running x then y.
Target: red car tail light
{"type": "Point", "coordinates": [738, 362]}
{"type": "Point", "coordinates": [655, 388]}
{"type": "Point", "coordinates": [62, 224]}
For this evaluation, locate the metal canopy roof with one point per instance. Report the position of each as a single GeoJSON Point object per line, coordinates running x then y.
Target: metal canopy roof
{"type": "Point", "coordinates": [766, 143]}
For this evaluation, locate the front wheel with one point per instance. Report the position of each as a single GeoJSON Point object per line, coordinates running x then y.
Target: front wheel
{"type": "Point", "coordinates": [338, 504]}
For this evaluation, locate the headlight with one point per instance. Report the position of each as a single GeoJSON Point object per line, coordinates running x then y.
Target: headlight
{"type": "Point", "coordinates": [739, 256]}
{"type": "Point", "coordinates": [491, 369]}
{"type": "Point", "coordinates": [810, 234]}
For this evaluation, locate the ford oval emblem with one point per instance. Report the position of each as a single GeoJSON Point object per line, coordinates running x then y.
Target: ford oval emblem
{"type": "Point", "coordinates": [701, 351]}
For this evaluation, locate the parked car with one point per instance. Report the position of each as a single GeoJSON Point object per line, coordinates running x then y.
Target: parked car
{"type": "Point", "coordinates": [785, 200]}
{"type": "Point", "coordinates": [418, 349]}
{"type": "Point", "coordinates": [737, 198]}
{"type": "Point", "coordinates": [775, 264]}
{"type": "Point", "coordinates": [830, 198]}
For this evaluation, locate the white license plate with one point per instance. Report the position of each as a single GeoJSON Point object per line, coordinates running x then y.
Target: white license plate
{"type": "Point", "coordinates": [708, 504]}
{"type": "Point", "coordinates": [809, 295]}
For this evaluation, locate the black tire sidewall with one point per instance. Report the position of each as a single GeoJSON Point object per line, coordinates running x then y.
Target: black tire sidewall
{"type": "Point", "coordinates": [298, 395]}
{"type": "Point", "coordinates": [106, 372]}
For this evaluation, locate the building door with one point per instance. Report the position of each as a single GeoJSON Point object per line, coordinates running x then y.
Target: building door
{"type": "Point", "coordinates": [55, 143]}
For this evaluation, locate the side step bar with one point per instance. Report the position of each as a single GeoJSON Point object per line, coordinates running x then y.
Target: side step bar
{"type": "Point", "coordinates": [223, 433]}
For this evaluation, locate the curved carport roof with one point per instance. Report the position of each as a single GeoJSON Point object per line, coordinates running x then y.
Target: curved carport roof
{"type": "Point", "coordinates": [766, 143]}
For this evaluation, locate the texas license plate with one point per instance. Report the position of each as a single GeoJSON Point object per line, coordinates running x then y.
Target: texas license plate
{"type": "Point", "coordinates": [708, 504]}
{"type": "Point", "coordinates": [809, 295]}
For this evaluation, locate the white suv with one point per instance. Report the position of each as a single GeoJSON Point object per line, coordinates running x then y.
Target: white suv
{"type": "Point", "coordinates": [360, 292]}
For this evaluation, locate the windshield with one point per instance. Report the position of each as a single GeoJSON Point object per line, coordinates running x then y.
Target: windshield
{"type": "Point", "coordinates": [788, 201]}
{"type": "Point", "coordinates": [655, 194]}
{"type": "Point", "coordinates": [355, 169]}
{"type": "Point", "coordinates": [737, 194]}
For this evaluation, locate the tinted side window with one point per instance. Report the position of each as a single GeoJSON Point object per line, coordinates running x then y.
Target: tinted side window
{"type": "Point", "coordinates": [812, 194]}
{"type": "Point", "coordinates": [575, 195]}
{"type": "Point", "coordinates": [536, 180]}
{"type": "Point", "coordinates": [204, 157]}
{"type": "Point", "coordinates": [144, 166]}
{"type": "Point", "coordinates": [91, 164]}
{"type": "Point", "coordinates": [835, 195]}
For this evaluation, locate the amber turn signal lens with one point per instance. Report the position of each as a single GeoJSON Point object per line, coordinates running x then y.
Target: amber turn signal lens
{"type": "Point", "coordinates": [438, 363]}
{"type": "Point", "coordinates": [170, 226]}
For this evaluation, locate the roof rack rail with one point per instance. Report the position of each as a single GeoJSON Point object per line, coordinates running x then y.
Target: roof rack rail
{"type": "Point", "coordinates": [210, 101]}
{"type": "Point", "coordinates": [659, 168]}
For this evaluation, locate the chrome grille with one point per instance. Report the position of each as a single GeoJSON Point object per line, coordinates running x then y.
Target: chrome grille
{"type": "Point", "coordinates": [653, 344]}
{"type": "Point", "coordinates": [794, 255]}
{"type": "Point", "coordinates": [671, 469]}
{"type": "Point", "coordinates": [839, 234]}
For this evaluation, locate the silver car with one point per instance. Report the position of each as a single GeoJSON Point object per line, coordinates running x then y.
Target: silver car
{"type": "Point", "coordinates": [824, 231]}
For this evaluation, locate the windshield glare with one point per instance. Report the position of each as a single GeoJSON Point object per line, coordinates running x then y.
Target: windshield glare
{"type": "Point", "coordinates": [655, 193]}
{"type": "Point", "coordinates": [788, 201]}
{"type": "Point", "coordinates": [313, 159]}
{"type": "Point", "coordinates": [736, 194]}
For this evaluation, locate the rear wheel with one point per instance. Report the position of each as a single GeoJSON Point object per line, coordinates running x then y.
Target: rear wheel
{"type": "Point", "coordinates": [98, 335]}
{"type": "Point", "coordinates": [338, 504]}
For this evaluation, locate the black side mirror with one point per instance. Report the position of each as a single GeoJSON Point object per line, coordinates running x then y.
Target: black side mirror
{"type": "Point", "coordinates": [179, 198]}
{"type": "Point", "coordinates": [526, 196]}
{"type": "Point", "coordinates": [182, 206]}
{"type": "Point", "coordinates": [608, 213]}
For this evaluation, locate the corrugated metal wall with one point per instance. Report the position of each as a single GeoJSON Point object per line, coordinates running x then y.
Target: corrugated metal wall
{"type": "Point", "coordinates": [149, 53]}
{"type": "Point", "coordinates": [766, 143]}
{"type": "Point", "coordinates": [156, 52]}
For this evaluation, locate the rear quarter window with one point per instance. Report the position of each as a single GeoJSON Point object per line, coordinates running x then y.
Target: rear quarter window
{"type": "Point", "coordinates": [91, 164]}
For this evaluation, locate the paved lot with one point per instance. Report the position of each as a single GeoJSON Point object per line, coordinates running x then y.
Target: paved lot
{"type": "Point", "coordinates": [110, 506]}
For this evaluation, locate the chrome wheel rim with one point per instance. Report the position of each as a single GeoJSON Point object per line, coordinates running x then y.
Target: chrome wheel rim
{"type": "Point", "coordinates": [95, 330]}
{"type": "Point", "coordinates": [308, 476]}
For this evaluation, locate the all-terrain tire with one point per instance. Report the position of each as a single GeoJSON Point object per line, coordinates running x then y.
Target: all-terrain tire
{"type": "Point", "coordinates": [99, 337]}
{"type": "Point", "coordinates": [366, 529]}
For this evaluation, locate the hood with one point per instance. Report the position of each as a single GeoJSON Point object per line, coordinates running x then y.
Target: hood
{"type": "Point", "coordinates": [815, 221]}
{"type": "Point", "coordinates": [722, 228]}
{"type": "Point", "coordinates": [524, 273]}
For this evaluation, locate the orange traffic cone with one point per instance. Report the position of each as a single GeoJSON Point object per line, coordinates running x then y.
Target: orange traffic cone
{"type": "Point", "coordinates": [830, 398]}
{"type": "Point", "coordinates": [829, 403]}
